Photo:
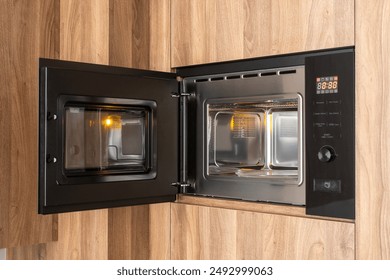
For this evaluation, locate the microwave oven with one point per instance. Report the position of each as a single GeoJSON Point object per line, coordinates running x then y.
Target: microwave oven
{"type": "Point", "coordinates": [277, 129]}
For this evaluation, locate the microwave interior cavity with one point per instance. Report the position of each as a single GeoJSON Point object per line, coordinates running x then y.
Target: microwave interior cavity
{"type": "Point", "coordinates": [249, 135]}
{"type": "Point", "coordinates": [254, 139]}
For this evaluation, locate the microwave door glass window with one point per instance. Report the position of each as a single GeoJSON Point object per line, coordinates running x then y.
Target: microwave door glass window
{"type": "Point", "coordinates": [105, 140]}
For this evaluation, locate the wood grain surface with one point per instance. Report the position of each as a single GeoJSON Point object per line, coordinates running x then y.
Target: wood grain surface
{"type": "Point", "coordinates": [140, 34]}
{"type": "Point", "coordinates": [269, 208]}
{"type": "Point", "coordinates": [372, 129]}
{"type": "Point", "coordinates": [27, 31]}
{"type": "Point", "coordinates": [140, 232]}
{"type": "Point", "coordinates": [200, 232]}
{"type": "Point", "coordinates": [217, 30]}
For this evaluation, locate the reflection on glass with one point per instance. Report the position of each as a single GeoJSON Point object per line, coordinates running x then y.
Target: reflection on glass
{"type": "Point", "coordinates": [106, 138]}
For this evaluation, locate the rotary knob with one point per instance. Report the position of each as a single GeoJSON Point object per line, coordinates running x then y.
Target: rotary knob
{"type": "Point", "coordinates": [326, 154]}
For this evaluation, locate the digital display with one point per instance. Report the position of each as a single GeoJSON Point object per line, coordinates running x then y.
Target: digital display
{"type": "Point", "coordinates": [326, 85]}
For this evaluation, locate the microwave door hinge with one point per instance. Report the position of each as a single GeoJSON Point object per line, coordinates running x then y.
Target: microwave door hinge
{"type": "Point", "coordinates": [181, 94]}
{"type": "Point", "coordinates": [182, 187]}
{"type": "Point", "coordinates": [181, 90]}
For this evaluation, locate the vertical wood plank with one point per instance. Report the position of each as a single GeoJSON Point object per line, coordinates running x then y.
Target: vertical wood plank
{"type": "Point", "coordinates": [254, 31]}
{"type": "Point", "coordinates": [140, 34]}
{"type": "Point", "coordinates": [83, 37]}
{"type": "Point", "coordinates": [159, 35]}
{"type": "Point", "coordinates": [84, 30]}
{"type": "Point", "coordinates": [186, 239]}
{"type": "Point", "coordinates": [159, 231]}
{"type": "Point", "coordinates": [139, 232]}
{"type": "Point", "coordinates": [121, 24]}
{"type": "Point", "coordinates": [26, 29]}
{"type": "Point", "coordinates": [189, 26]}
{"type": "Point", "coordinates": [129, 232]}
{"type": "Point", "coordinates": [372, 129]}
{"type": "Point", "coordinates": [229, 29]}
{"type": "Point", "coordinates": [7, 83]}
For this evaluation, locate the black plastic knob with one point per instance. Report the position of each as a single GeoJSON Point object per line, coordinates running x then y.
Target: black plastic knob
{"type": "Point", "coordinates": [326, 154]}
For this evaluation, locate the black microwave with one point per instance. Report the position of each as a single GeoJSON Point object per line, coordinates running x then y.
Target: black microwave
{"type": "Point", "coordinates": [277, 129]}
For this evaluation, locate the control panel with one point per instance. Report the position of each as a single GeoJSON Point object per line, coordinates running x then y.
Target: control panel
{"type": "Point", "coordinates": [330, 134]}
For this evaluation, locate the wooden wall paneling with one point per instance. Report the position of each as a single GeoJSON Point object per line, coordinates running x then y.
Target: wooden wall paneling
{"type": "Point", "coordinates": [5, 116]}
{"type": "Point", "coordinates": [140, 232]}
{"type": "Point", "coordinates": [186, 240]}
{"type": "Point", "coordinates": [81, 236]}
{"type": "Point", "coordinates": [373, 132]}
{"type": "Point", "coordinates": [217, 30]}
{"type": "Point", "coordinates": [200, 232]}
{"type": "Point", "coordinates": [160, 35]}
{"type": "Point", "coordinates": [27, 31]}
{"type": "Point", "coordinates": [160, 231]}
{"type": "Point", "coordinates": [140, 34]}
{"type": "Point", "coordinates": [83, 37]}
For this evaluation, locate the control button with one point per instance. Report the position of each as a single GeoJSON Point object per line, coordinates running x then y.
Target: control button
{"type": "Point", "coordinates": [319, 124]}
{"type": "Point", "coordinates": [334, 124]}
{"type": "Point", "coordinates": [320, 113]}
{"type": "Point", "coordinates": [327, 185]}
{"type": "Point", "coordinates": [326, 154]}
{"type": "Point", "coordinates": [334, 101]}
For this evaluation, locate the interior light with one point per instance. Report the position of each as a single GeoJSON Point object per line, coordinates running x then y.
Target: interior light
{"type": "Point", "coordinates": [112, 121]}
{"type": "Point", "coordinates": [107, 122]}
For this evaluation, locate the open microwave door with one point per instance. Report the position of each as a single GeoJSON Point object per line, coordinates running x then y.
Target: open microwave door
{"type": "Point", "coordinates": [108, 136]}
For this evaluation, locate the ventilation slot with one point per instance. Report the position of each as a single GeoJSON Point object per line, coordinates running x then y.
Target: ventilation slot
{"type": "Point", "coordinates": [268, 74]}
{"type": "Point", "coordinates": [201, 80]}
{"type": "Point", "coordinates": [287, 72]}
{"type": "Point", "coordinates": [250, 76]}
{"type": "Point", "coordinates": [233, 77]}
{"type": "Point", "coordinates": [216, 79]}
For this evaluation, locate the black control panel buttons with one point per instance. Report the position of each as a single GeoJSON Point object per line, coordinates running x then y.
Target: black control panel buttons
{"type": "Point", "coordinates": [327, 185]}
{"type": "Point", "coordinates": [326, 154]}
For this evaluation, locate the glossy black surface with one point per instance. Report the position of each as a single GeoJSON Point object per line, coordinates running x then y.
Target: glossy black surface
{"type": "Point", "coordinates": [62, 82]}
{"type": "Point", "coordinates": [330, 137]}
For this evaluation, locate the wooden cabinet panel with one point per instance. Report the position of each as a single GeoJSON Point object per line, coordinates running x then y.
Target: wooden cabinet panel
{"type": "Point", "coordinates": [140, 34]}
{"type": "Point", "coordinates": [28, 29]}
{"type": "Point", "coordinates": [217, 30]}
{"type": "Point", "coordinates": [69, 30]}
{"type": "Point", "coordinates": [372, 129]}
{"type": "Point", "coordinates": [140, 232]}
{"type": "Point", "coordinates": [200, 232]}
